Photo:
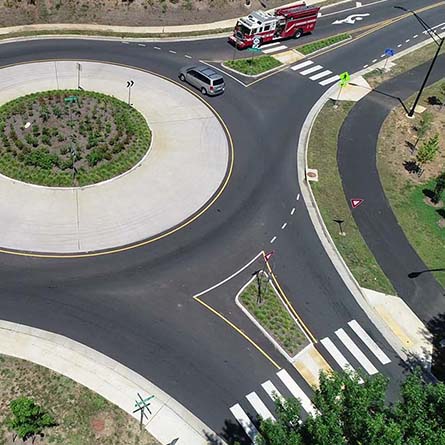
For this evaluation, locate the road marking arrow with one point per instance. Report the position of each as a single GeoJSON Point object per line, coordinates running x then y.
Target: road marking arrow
{"type": "Point", "coordinates": [351, 19]}
{"type": "Point", "coordinates": [355, 202]}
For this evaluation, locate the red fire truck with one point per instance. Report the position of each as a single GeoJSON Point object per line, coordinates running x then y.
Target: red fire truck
{"type": "Point", "coordinates": [291, 21]}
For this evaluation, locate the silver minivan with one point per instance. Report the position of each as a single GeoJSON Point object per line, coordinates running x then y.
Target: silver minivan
{"type": "Point", "coordinates": [204, 78]}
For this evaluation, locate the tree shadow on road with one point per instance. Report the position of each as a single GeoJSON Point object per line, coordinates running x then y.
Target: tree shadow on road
{"type": "Point", "coordinates": [232, 434]}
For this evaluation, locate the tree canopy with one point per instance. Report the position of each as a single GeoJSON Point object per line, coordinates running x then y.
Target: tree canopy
{"type": "Point", "coordinates": [353, 412]}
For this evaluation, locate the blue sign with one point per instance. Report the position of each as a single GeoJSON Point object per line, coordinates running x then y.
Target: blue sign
{"type": "Point", "coordinates": [389, 52]}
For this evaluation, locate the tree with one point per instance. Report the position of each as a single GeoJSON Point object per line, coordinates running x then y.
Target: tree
{"type": "Point", "coordinates": [28, 418]}
{"type": "Point", "coordinates": [439, 188]}
{"type": "Point", "coordinates": [351, 410]}
{"type": "Point", "coordinates": [428, 150]}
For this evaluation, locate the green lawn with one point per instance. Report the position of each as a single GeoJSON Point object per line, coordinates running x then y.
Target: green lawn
{"type": "Point", "coordinates": [329, 194]}
{"type": "Point", "coordinates": [273, 316]}
{"type": "Point", "coordinates": [319, 44]}
{"type": "Point", "coordinates": [253, 66]}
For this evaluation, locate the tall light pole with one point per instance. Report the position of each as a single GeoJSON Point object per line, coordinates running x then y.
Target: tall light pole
{"type": "Point", "coordinates": [437, 40]}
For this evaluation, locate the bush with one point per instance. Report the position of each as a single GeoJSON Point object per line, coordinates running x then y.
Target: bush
{"type": "Point", "coordinates": [95, 156]}
{"type": "Point", "coordinates": [41, 158]}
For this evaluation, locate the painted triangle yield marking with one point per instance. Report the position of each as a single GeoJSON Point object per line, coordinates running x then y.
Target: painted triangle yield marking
{"type": "Point", "coordinates": [355, 202]}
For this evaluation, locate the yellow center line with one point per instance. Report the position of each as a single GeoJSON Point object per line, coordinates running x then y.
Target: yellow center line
{"type": "Point", "coordinates": [237, 329]}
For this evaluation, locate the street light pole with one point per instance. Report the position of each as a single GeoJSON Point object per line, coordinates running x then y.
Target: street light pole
{"type": "Point", "coordinates": [438, 41]}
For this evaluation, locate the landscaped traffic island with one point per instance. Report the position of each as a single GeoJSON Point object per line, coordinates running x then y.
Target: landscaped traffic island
{"type": "Point", "coordinates": [70, 138]}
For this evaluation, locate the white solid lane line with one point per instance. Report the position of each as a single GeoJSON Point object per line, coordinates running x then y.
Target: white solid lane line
{"type": "Point", "coordinates": [271, 390]}
{"type": "Point", "coordinates": [330, 80]}
{"type": "Point", "coordinates": [259, 406]}
{"type": "Point", "coordinates": [369, 342]}
{"type": "Point", "coordinates": [311, 70]}
{"type": "Point", "coordinates": [356, 352]}
{"type": "Point", "coordinates": [272, 50]}
{"type": "Point", "coordinates": [296, 391]}
{"type": "Point", "coordinates": [301, 65]}
{"type": "Point", "coordinates": [320, 75]}
{"type": "Point", "coordinates": [244, 421]}
{"type": "Point", "coordinates": [336, 354]}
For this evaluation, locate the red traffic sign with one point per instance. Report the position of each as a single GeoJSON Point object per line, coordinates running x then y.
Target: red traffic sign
{"type": "Point", "coordinates": [355, 202]}
{"type": "Point", "coordinates": [268, 256]}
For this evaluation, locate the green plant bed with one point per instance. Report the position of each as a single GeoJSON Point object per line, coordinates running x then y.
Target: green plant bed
{"type": "Point", "coordinates": [319, 44]}
{"type": "Point", "coordinates": [253, 65]}
{"type": "Point", "coordinates": [70, 138]}
{"type": "Point", "coordinates": [272, 315]}
{"type": "Point", "coordinates": [331, 200]}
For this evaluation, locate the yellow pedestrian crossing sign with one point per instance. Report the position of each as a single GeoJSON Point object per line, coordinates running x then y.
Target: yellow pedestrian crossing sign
{"type": "Point", "coordinates": [345, 78]}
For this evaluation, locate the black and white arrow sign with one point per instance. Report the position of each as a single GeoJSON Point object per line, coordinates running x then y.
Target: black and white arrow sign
{"type": "Point", "coordinates": [130, 83]}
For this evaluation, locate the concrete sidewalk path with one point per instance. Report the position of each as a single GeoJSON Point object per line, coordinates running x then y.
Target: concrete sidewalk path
{"type": "Point", "coordinates": [168, 420]}
{"type": "Point", "coordinates": [184, 168]}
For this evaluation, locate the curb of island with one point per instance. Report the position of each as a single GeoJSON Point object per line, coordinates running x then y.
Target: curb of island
{"type": "Point", "coordinates": [317, 219]}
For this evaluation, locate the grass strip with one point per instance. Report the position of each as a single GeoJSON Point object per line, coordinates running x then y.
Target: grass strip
{"type": "Point", "coordinates": [83, 417]}
{"type": "Point", "coordinates": [253, 65]}
{"type": "Point", "coordinates": [270, 312]}
{"type": "Point", "coordinates": [330, 197]}
{"type": "Point", "coordinates": [319, 44]}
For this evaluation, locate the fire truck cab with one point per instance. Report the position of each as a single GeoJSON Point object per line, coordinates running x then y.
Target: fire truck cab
{"type": "Point", "coordinates": [292, 21]}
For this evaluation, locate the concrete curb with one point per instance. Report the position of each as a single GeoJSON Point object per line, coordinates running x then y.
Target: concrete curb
{"type": "Point", "coordinates": [118, 384]}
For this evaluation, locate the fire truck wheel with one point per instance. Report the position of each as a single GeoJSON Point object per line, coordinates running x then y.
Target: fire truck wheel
{"type": "Point", "coordinates": [203, 91]}
{"type": "Point", "coordinates": [182, 78]}
{"type": "Point", "coordinates": [298, 33]}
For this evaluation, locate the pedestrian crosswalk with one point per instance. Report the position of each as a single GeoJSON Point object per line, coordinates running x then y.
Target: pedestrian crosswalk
{"type": "Point", "coordinates": [350, 348]}
{"type": "Point", "coordinates": [318, 72]}
{"type": "Point", "coordinates": [270, 48]}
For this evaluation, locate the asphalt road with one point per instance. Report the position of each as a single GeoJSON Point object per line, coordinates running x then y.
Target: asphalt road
{"type": "Point", "coordinates": [137, 306]}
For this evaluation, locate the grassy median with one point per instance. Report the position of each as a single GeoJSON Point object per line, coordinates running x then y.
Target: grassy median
{"type": "Point", "coordinates": [270, 312]}
{"type": "Point", "coordinates": [331, 200]}
{"type": "Point", "coordinates": [320, 44]}
{"type": "Point", "coordinates": [253, 65]}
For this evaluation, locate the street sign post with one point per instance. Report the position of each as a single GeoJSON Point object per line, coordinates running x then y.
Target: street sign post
{"type": "Point", "coordinates": [256, 42]}
{"type": "Point", "coordinates": [345, 78]}
{"type": "Point", "coordinates": [389, 52]}
{"type": "Point", "coordinates": [130, 84]}
{"type": "Point", "coordinates": [142, 405]}
{"type": "Point", "coordinates": [79, 69]}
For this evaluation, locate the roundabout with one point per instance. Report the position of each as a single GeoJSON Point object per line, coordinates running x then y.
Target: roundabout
{"type": "Point", "coordinates": [184, 167]}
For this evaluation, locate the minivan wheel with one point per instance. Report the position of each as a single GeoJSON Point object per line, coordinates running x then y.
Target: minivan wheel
{"type": "Point", "coordinates": [203, 91]}
{"type": "Point", "coordinates": [182, 77]}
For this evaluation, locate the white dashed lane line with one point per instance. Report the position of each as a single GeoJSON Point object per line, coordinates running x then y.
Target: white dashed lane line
{"type": "Point", "coordinates": [399, 45]}
{"type": "Point", "coordinates": [273, 240]}
{"type": "Point", "coordinates": [292, 211]}
{"type": "Point", "coordinates": [188, 57]}
{"type": "Point", "coordinates": [284, 226]}
{"type": "Point", "coordinates": [142, 44]}
{"type": "Point", "coordinates": [365, 66]}
{"type": "Point", "coordinates": [298, 196]}
{"type": "Point", "coordinates": [156, 47]}
{"type": "Point", "coordinates": [374, 61]}
{"type": "Point", "coordinates": [415, 36]}
{"type": "Point", "coordinates": [407, 40]}
{"type": "Point", "coordinates": [171, 51]}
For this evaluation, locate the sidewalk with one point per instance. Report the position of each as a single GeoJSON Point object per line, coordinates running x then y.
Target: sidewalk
{"type": "Point", "coordinates": [169, 419]}
{"type": "Point", "coordinates": [184, 168]}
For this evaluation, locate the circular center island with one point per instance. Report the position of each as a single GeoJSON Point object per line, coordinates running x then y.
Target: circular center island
{"type": "Point", "coordinates": [96, 157]}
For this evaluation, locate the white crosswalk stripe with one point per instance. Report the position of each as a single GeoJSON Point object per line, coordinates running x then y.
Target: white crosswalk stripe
{"type": "Point", "coordinates": [369, 342]}
{"type": "Point", "coordinates": [330, 80]}
{"type": "Point", "coordinates": [268, 45]}
{"type": "Point", "coordinates": [259, 406]}
{"type": "Point", "coordinates": [271, 390]}
{"type": "Point", "coordinates": [301, 65]}
{"type": "Point", "coordinates": [243, 419]}
{"type": "Point", "coordinates": [320, 75]}
{"type": "Point", "coordinates": [272, 50]}
{"type": "Point", "coordinates": [356, 352]}
{"type": "Point", "coordinates": [311, 70]}
{"type": "Point", "coordinates": [296, 391]}
{"type": "Point", "coordinates": [336, 354]}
